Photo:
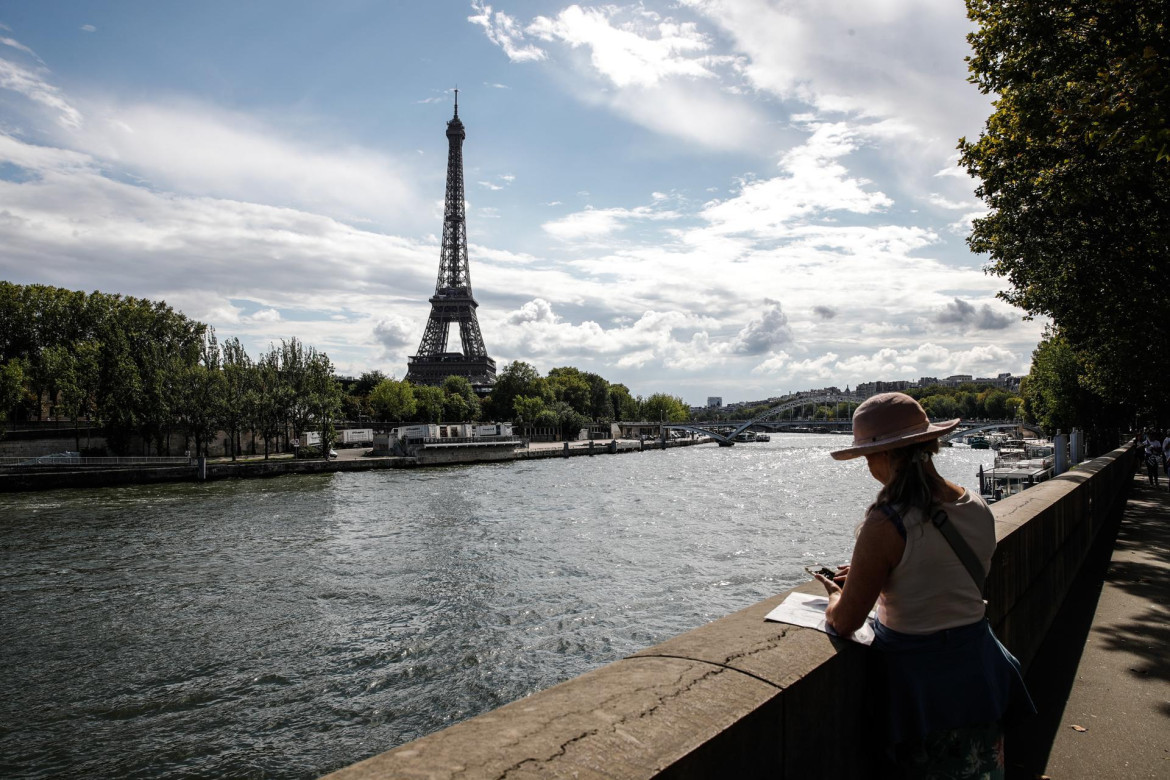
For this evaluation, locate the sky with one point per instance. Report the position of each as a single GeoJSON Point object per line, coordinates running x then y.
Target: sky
{"type": "Point", "coordinates": [734, 198]}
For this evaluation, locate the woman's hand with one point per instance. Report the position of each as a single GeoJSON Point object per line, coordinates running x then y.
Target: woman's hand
{"type": "Point", "coordinates": [842, 573]}
{"type": "Point", "coordinates": [831, 587]}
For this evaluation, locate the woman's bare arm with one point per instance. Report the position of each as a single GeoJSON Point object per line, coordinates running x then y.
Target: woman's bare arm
{"type": "Point", "coordinates": [878, 550]}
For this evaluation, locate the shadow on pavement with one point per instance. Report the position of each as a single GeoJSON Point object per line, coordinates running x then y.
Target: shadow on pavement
{"type": "Point", "coordinates": [1050, 677]}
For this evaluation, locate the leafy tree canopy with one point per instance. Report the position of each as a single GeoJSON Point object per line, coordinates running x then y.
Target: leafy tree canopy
{"type": "Point", "coordinates": [1074, 166]}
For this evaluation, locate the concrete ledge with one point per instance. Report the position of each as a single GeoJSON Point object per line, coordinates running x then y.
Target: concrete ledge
{"type": "Point", "coordinates": [721, 701]}
{"type": "Point", "coordinates": [743, 698]}
{"type": "Point", "coordinates": [53, 479]}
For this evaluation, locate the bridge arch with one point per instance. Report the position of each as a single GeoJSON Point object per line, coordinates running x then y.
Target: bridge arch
{"type": "Point", "coordinates": [792, 403]}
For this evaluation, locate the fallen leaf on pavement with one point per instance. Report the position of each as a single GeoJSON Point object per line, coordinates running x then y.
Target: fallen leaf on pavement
{"type": "Point", "coordinates": [1079, 728]}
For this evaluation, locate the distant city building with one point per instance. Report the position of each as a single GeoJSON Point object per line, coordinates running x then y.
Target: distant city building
{"type": "Point", "coordinates": [867, 389]}
{"type": "Point", "coordinates": [714, 402]}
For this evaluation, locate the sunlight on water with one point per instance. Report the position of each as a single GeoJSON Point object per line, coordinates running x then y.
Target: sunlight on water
{"type": "Point", "coordinates": [288, 627]}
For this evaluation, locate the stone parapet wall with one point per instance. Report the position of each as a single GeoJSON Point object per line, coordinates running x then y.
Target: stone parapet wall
{"type": "Point", "coordinates": [743, 698]}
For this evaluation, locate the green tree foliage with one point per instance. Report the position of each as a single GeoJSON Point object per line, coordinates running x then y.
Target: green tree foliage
{"type": "Point", "coordinates": [238, 387]}
{"type": "Point", "coordinates": [460, 403]}
{"type": "Point", "coordinates": [366, 383]}
{"type": "Point", "coordinates": [1055, 395]}
{"type": "Point", "coordinates": [570, 422]}
{"type": "Point", "coordinates": [12, 383]}
{"type": "Point", "coordinates": [324, 396]}
{"type": "Point", "coordinates": [668, 408]}
{"type": "Point", "coordinates": [1075, 170]}
{"type": "Point", "coordinates": [393, 400]}
{"type": "Point", "coordinates": [623, 406]}
{"type": "Point", "coordinates": [429, 402]}
{"type": "Point", "coordinates": [517, 378]}
{"type": "Point", "coordinates": [526, 409]}
{"type": "Point", "coordinates": [144, 371]}
{"type": "Point", "coordinates": [270, 400]}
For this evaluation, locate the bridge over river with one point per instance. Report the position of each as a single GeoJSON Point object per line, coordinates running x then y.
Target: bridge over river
{"type": "Point", "coordinates": [805, 419]}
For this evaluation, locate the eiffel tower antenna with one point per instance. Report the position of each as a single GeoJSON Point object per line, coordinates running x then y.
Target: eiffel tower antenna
{"type": "Point", "coordinates": [453, 301]}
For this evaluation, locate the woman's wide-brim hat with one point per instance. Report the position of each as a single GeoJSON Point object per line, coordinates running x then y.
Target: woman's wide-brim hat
{"type": "Point", "coordinates": [888, 421]}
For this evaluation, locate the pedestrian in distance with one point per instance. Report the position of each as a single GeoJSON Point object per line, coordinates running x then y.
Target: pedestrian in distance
{"type": "Point", "coordinates": [1166, 453]}
{"type": "Point", "coordinates": [1153, 454]}
{"type": "Point", "coordinates": [921, 554]}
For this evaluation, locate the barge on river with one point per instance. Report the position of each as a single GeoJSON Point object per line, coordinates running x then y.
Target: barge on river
{"type": "Point", "coordinates": [1019, 465]}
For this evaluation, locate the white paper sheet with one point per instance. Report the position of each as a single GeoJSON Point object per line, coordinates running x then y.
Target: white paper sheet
{"type": "Point", "coordinates": [808, 610]}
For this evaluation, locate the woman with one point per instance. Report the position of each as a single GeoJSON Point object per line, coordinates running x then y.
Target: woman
{"type": "Point", "coordinates": [948, 680]}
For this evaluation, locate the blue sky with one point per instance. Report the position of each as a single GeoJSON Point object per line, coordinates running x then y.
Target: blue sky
{"type": "Point", "coordinates": [704, 197]}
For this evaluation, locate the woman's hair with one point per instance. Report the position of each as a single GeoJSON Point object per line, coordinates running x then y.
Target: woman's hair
{"type": "Point", "coordinates": [911, 486]}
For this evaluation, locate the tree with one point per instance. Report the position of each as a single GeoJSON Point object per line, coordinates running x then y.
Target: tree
{"type": "Point", "coordinates": [666, 408]}
{"type": "Point", "coordinates": [75, 373]}
{"type": "Point", "coordinates": [203, 394]}
{"type": "Point", "coordinates": [12, 382]}
{"type": "Point", "coordinates": [517, 378]}
{"type": "Point", "coordinates": [271, 404]}
{"type": "Point", "coordinates": [393, 400]}
{"type": "Point", "coordinates": [526, 410]}
{"type": "Point", "coordinates": [1054, 394]}
{"type": "Point", "coordinates": [460, 401]}
{"type": "Point", "coordinates": [237, 377]}
{"type": "Point", "coordinates": [569, 386]}
{"type": "Point", "coordinates": [1075, 171]}
{"type": "Point", "coordinates": [324, 396]}
{"type": "Point", "coordinates": [624, 405]}
{"type": "Point", "coordinates": [429, 402]}
{"type": "Point", "coordinates": [366, 383]}
{"type": "Point", "coordinates": [569, 421]}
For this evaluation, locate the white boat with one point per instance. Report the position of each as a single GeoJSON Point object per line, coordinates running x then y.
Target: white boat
{"type": "Point", "coordinates": [1013, 477]}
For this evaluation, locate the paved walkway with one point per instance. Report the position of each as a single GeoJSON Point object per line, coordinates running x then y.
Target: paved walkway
{"type": "Point", "coordinates": [1106, 702]}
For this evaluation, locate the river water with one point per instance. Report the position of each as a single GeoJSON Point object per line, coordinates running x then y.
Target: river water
{"type": "Point", "coordinates": [288, 627]}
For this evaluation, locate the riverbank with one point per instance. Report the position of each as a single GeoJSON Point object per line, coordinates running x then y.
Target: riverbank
{"type": "Point", "coordinates": [55, 477]}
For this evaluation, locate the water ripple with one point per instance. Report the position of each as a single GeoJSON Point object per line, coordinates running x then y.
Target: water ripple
{"type": "Point", "coordinates": [288, 627]}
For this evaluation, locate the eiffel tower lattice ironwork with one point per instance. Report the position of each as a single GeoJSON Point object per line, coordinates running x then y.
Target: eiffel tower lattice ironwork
{"type": "Point", "coordinates": [453, 301]}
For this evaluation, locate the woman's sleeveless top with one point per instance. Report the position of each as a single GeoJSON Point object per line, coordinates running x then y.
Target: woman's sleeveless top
{"type": "Point", "coordinates": [930, 590]}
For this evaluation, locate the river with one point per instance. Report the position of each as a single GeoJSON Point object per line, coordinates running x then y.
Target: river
{"type": "Point", "coordinates": [288, 627]}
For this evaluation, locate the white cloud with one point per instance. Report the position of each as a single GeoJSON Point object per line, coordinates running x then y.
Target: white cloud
{"type": "Point", "coordinates": [861, 57]}
{"type": "Point", "coordinates": [231, 155]}
{"type": "Point", "coordinates": [766, 334]}
{"type": "Point", "coordinates": [33, 86]}
{"type": "Point", "coordinates": [88, 28]}
{"type": "Point", "coordinates": [598, 223]}
{"type": "Point", "coordinates": [395, 333]}
{"type": "Point", "coordinates": [536, 310]}
{"type": "Point", "coordinates": [814, 182]}
{"type": "Point", "coordinates": [266, 315]}
{"type": "Point", "coordinates": [628, 56]}
{"type": "Point", "coordinates": [503, 31]}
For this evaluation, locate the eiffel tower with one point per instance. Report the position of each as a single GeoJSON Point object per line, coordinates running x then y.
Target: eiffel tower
{"type": "Point", "coordinates": [453, 301]}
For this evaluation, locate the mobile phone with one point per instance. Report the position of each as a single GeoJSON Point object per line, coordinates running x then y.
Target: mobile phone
{"type": "Point", "coordinates": [824, 571]}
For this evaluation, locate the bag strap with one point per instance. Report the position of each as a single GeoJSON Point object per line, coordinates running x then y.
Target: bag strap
{"type": "Point", "coordinates": [963, 550]}
{"type": "Point", "coordinates": [958, 544]}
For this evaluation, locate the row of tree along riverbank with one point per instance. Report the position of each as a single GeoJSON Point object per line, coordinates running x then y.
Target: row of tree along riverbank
{"type": "Point", "coordinates": [156, 382]}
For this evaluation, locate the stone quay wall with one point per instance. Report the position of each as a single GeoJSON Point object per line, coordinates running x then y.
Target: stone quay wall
{"type": "Point", "coordinates": [743, 698]}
